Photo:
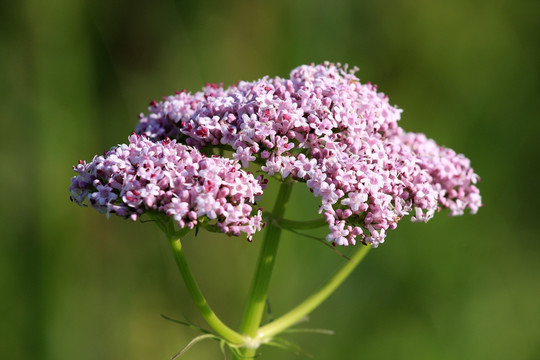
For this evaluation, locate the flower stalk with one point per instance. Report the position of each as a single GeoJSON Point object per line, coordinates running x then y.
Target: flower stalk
{"type": "Point", "coordinates": [296, 224]}
{"type": "Point", "coordinates": [311, 303]}
{"type": "Point", "coordinates": [259, 289]}
{"type": "Point", "coordinates": [195, 292]}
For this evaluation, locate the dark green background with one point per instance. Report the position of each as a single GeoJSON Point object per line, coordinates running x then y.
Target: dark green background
{"type": "Point", "coordinates": [74, 76]}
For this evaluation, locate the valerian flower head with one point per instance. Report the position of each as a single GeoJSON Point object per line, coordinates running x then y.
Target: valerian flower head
{"type": "Point", "coordinates": [176, 180]}
{"type": "Point", "coordinates": [322, 127]}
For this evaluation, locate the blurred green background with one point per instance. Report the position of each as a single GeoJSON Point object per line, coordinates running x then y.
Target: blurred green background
{"type": "Point", "coordinates": [74, 76]}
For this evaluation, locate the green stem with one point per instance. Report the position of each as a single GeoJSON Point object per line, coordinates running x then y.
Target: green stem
{"type": "Point", "coordinates": [267, 256]}
{"type": "Point", "coordinates": [198, 298]}
{"type": "Point", "coordinates": [297, 224]}
{"type": "Point", "coordinates": [298, 313]}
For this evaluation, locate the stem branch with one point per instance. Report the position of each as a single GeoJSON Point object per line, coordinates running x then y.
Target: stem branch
{"type": "Point", "coordinates": [193, 288]}
{"type": "Point", "coordinates": [265, 264]}
{"type": "Point", "coordinates": [296, 224]}
{"type": "Point", "coordinates": [306, 307]}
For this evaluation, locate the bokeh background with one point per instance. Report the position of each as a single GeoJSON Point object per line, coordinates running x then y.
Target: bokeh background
{"type": "Point", "coordinates": [74, 76]}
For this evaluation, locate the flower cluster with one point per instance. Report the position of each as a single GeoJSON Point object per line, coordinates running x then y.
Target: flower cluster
{"type": "Point", "coordinates": [323, 127]}
{"type": "Point", "coordinates": [173, 179]}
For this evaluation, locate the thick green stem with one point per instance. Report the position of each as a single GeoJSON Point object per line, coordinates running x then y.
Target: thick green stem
{"type": "Point", "coordinates": [259, 288]}
{"type": "Point", "coordinates": [198, 298]}
{"type": "Point", "coordinates": [298, 313]}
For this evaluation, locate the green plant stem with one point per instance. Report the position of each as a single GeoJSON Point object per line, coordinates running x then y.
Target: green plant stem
{"type": "Point", "coordinates": [297, 224]}
{"type": "Point", "coordinates": [306, 307]}
{"type": "Point", "coordinates": [198, 298]}
{"type": "Point", "coordinates": [265, 264]}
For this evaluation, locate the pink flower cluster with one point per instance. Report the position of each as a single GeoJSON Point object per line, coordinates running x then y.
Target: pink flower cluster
{"type": "Point", "coordinates": [323, 127]}
{"type": "Point", "coordinates": [171, 178]}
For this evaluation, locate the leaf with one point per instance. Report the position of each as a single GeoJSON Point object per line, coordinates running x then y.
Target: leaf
{"type": "Point", "coordinates": [193, 342]}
